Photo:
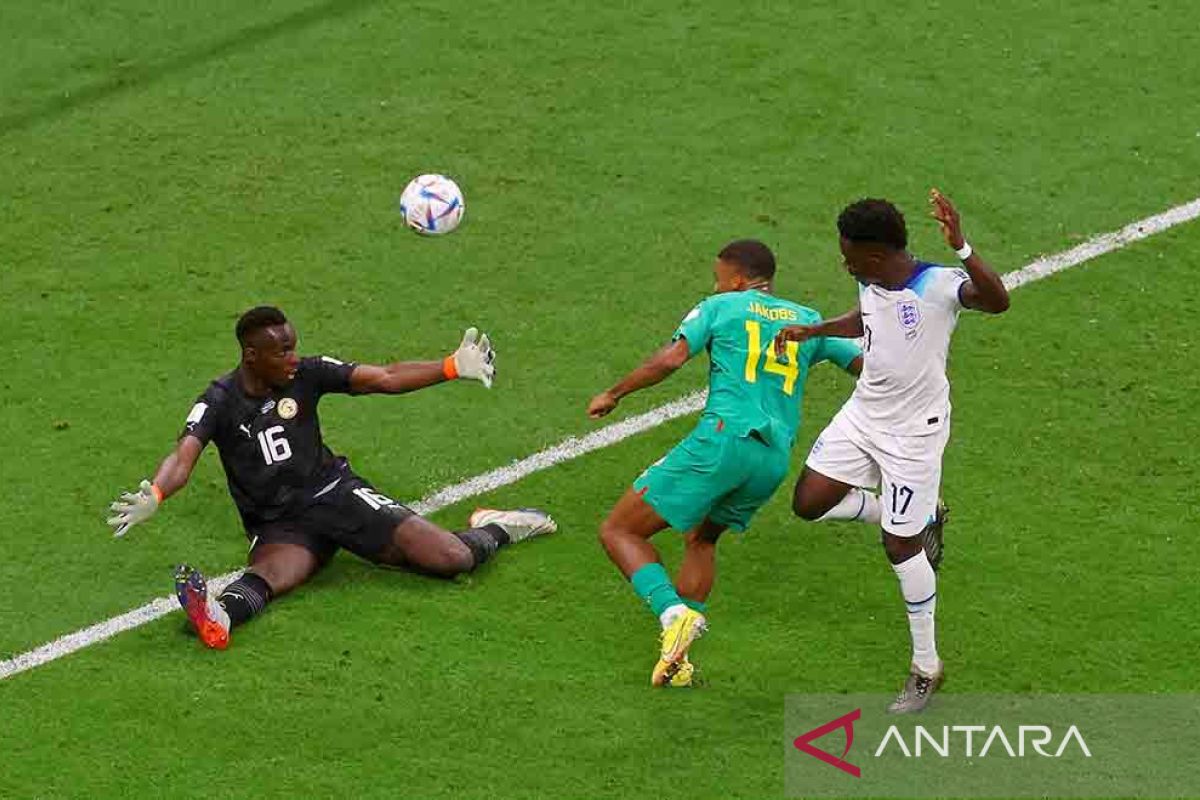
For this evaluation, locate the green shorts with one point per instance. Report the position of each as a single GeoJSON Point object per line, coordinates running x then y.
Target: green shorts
{"type": "Point", "coordinates": [713, 474]}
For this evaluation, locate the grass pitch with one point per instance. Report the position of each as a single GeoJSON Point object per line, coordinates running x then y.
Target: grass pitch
{"type": "Point", "coordinates": [163, 169]}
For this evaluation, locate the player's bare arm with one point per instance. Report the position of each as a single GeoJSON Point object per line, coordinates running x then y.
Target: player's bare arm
{"type": "Point", "coordinates": [985, 291]}
{"type": "Point", "coordinates": [653, 370]}
{"type": "Point", "coordinates": [847, 326]}
{"type": "Point", "coordinates": [174, 471]}
{"type": "Point", "coordinates": [474, 360]}
{"type": "Point", "coordinates": [397, 378]}
{"type": "Point", "coordinates": [132, 508]}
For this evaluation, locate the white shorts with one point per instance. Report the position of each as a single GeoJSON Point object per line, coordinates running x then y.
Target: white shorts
{"type": "Point", "coordinates": [908, 469]}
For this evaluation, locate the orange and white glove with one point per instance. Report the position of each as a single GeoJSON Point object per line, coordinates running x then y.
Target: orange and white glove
{"type": "Point", "coordinates": [474, 359]}
{"type": "Point", "coordinates": [134, 507]}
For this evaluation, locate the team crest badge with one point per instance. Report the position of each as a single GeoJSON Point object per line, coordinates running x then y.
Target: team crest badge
{"type": "Point", "coordinates": [287, 408]}
{"type": "Point", "coordinates": [910, 316]}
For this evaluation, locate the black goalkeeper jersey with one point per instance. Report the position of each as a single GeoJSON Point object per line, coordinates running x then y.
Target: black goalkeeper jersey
{"type": "Point", "coordinates": [271, 448]}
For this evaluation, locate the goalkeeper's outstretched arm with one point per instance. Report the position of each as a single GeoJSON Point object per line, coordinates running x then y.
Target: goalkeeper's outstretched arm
{"type": "Point", "coordinates": [176, 468]}
{"type": "Point", "coordinates": [132, 508]}
{"type": "Point", "coordinates": [473, 360]}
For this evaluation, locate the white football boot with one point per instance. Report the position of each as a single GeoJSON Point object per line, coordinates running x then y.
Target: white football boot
{"type": "Point", "coordinates": [519, 524]}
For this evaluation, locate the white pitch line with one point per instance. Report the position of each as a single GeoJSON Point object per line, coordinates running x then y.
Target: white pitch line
{"type": "Point", "coordinates": [573, 447]}
{"type": "Point", "coordinates": [565, 450]}
{"type": "Point", "coordinates": [1104, 243]}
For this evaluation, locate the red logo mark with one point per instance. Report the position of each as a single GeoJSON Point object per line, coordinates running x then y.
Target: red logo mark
{"type": "Point", "coordinates": [846, 721]}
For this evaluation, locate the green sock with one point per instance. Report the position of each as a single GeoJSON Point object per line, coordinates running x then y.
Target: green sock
{"type": "Point", "coordinates": [695, 605]}
{"type": "Point", "coordinates": [653, 585]}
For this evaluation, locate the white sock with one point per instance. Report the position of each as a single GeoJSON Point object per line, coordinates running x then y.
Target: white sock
{"type": "Point", "coordinates": [858, 505]}
{"type": "Point", "coordinates": [670, 613]}
{"type": "Point", "coordinates": [918, 584]}
{"type": "Point", "coordinates": [216, 611]}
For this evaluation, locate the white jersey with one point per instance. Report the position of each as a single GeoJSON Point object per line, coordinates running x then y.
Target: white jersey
{"type": "Point", "coordinates": [903, 388]}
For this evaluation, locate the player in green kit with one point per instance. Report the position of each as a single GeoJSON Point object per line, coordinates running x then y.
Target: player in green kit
{"type": "Point", "coordinates": [738, 453]}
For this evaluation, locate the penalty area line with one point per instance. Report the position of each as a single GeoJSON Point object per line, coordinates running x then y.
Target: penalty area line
{"type": "Point", "coordinates": [574, 447]}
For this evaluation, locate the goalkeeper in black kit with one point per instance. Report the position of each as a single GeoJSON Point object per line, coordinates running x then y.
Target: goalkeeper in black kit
{"type": "Point", "coordinates": [298, 501]}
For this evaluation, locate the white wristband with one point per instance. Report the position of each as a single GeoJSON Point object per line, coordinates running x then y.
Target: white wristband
{"type": "Point", "coordinates": [964, 252]}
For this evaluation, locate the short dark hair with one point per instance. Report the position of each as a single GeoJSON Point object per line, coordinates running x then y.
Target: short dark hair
{"type": "Point", "coordinates": [753, 258]}
{"type": "Point", "coordinates": [874, 221]}
{"type": "Point", "coordinates": [256, 319]}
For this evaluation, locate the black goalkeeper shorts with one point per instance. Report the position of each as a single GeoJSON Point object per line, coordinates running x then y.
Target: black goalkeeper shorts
{"type": "Point", "coordinates": [351, 514]}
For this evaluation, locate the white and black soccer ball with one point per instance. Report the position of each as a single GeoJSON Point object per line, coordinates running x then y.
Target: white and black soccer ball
{"type": "Point", "coordinates": [432, 204]}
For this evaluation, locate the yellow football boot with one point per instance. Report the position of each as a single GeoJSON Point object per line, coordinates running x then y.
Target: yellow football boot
{"type": "Point", "coordinates": [682, 679]}
{"type": "Point", "coordinates": [676, 639]}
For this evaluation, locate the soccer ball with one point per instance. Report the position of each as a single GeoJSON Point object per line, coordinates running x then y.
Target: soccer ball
{"type": "Point", "coordinates": [432, 204]}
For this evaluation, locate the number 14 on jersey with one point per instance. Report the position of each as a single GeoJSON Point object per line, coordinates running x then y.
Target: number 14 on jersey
{"type": "Point", "coordinates": [756, 352]}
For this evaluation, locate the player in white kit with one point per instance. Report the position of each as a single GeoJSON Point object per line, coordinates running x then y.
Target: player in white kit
{"type": "Point", "coordinates": [891, 432]}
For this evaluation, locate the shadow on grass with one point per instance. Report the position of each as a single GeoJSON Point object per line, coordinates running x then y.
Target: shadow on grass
{"type": "Point", "coordinates": [137, 77]}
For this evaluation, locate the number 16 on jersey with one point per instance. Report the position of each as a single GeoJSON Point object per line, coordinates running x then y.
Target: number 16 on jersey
{"type": "Point", "coordinates": [274, 446]}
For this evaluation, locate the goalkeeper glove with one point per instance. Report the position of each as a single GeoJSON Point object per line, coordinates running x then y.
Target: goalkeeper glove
{"type": "Point", "coordinates": [134, 507]}
{"type": "Point", "coordinates": [473, 359]}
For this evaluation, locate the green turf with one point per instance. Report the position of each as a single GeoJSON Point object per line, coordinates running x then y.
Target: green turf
{"type": "Point", "coordinates": [161, 170]}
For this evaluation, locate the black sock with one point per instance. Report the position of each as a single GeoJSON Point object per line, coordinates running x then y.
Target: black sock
{"type": "Point", "coordinates": [483, 542]}
{"type": "Point", "coordinates": [245, 597]}
{"type": "Point", "coordinates": [498, 533]}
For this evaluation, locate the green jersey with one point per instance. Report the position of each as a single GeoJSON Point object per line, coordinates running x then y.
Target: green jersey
{"type": "Point", "coordinates": [749, 390]}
